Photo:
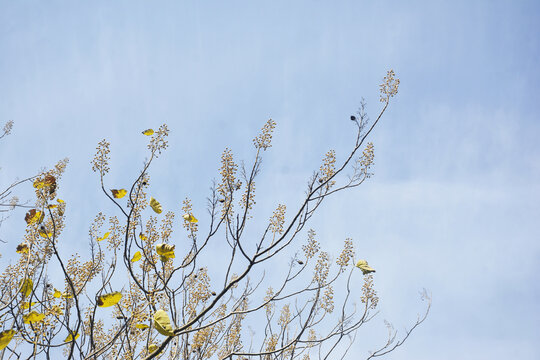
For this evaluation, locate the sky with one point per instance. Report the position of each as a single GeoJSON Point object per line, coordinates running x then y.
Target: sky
{"type": "Point", "coordinates": [453, 205]}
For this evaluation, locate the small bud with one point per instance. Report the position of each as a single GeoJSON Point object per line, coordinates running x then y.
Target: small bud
{"type": "Point", "coordinates": [353, 118]}
{"type": "Point", "coordinates": [321, 181]}
{"type": "Point", "coordinates": [221, 200]}
{"type": "Point", "coordinates": [300, 262]}
{"type": "Point", "coordinates": [213, 293]}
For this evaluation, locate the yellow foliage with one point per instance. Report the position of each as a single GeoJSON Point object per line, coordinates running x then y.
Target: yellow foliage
{"type": "Point", "coordinates": [22, 248]}
{"type": "Point", "coordinates": [26, 287]}
{"type": "Point", "coordinates": [162, 323]}
{"type": "Point", "coordinates": [5, 338]}
{"type": "Point", "coordinates": [118, 194]}
{"type": "Point", "coordinates": [136, 257]}
{"type": "Point", "coordinates": [33, 216]}
{"type": "Point", "coordinates": [70, 337]}
{"type": "Point", "coordinates": [44, 233]}
{"type": "Point", "coordinates": [165, 250]}
{"type": "Point", "coordinates": [33, 317]}
{"type": "Point", "coordinates": [190, 218]}
{"type": "Point", "coordinates": [363, 265]}
{"type": "Point", "coordinates": [106, 235]}
{"type": "Point", "coordinates": [26, 305]}
{"type": "Point", "coordinates": [155, 205]}
{"type": "Point", "coordinates": [109, 299]}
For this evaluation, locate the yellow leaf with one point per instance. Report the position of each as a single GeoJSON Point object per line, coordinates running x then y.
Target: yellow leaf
{"type": "Point", "coordinates": [165, 250]}
{"type": "Point", "coordinates": [52, 206]}
{"type": "Point", "coordinates": [106, 235]}
{"type": "Point", "coordinates": [109, 299]}
{"type": "Point", "coordinates": [363, 265]}
{"type": "Point", "coordinates": [136, 257]}
{"type": "Point", "coordinates": [57, 293]}
{"type": "Point", "coordinates": [67, 295]}
{"type": "Point", "coordinates": [22, 248]}
{"type": "Point", "coordinates": [142, 326]}
{"type": "Point", "coordinates": [142, 237]}
{"type": "Point", "coordinates": [5, 338]}
{"type": "Point", "coordinates": [60, 201]}
{"type": "Point", "coordinates": [70, 337]}
{"type": "Point", "coordinates": [26, 305]}
{"type": "Point", "coordinates": [118, 194]}
{"type": "Point", "coordinates": [152, 348]}
{"type": "Point", "coordinates": [162, 323]}
{"type": "Point", "coordinates": [49, 181]}
{"type": "Point", "coordinates": [26, 287]}
{"type": "Point", "coordinates": [38, 184]}
{"type": "Point", "coordinates": [190, 218]}
{"type": "Point", "coordinates": [33, 216]}
{"type": "Point", "coordinates": [33, 317]}
{"type": "Point", "coordinates": [44, 233]}
{"type": "Point", "coordinates": [148, 132]}
{"type": "Point", "coordinates": [156, 206]}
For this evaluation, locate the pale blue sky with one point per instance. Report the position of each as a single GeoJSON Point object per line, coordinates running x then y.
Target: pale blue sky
{"type": "Point", "coordinates": [454, 203]}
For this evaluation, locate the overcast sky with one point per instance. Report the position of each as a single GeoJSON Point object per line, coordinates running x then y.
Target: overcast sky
{"type": "Point", "coordinates": [453, 206]}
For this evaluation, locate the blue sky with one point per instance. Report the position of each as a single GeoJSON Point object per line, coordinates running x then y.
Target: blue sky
{"type": "Point", "coordinates": [454, 203]}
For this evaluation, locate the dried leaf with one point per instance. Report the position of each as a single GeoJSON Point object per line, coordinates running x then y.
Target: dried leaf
{"type": "Point", "coordinates": [118, 194]}
{"type": "Point", "coordinates": [22, 248]}
{"type": "Point", "coordinates": [33, 216]}
{"type": "Point", "coordinates": [148, 132]}
{"type": "Point", "coordinates": [49, 180]}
